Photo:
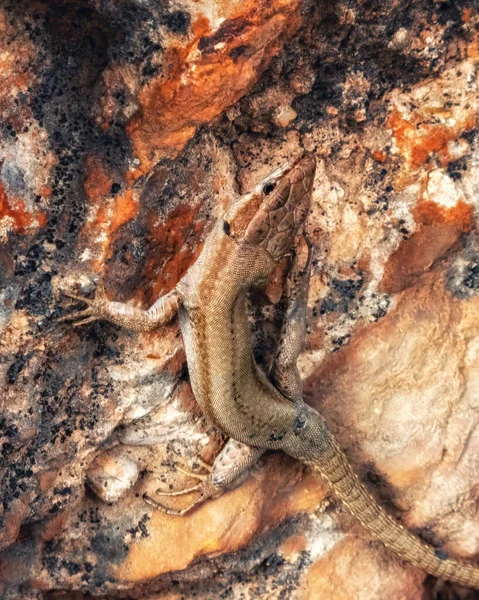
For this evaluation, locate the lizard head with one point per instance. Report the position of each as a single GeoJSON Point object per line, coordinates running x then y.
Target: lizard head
{"type": "Point", "coordinates": [271, 215]}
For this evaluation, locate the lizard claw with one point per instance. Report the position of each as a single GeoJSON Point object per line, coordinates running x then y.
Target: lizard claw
{"type": "Point", "coordinates": [84, 321]}
{"type": "Point", "coordinates": [171, 511]}
{"type": "Point", "coordinates": [179, 492]}
{"type": "Point", "coordinates": [204, 464]}
{"type": "Point", "coordinates": [95, 308]}
{"type": "Point", "coordinates": [204, 488]}
{"type": "Point", "coordinates": [79, 298]}
{"type": "Point", "coordinates": [76, 315]}
{"type": "Point", "coordinates": [199, 476]}
{"type": "Point", "coordinates": [198, 461]}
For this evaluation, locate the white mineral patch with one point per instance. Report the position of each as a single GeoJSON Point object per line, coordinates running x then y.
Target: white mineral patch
{"type": "Point", "coordinates": [86, 255]}
{"type": "Point", "coordinates": [308, 362]}
{"type": "Point", "coordinates": [112, 477]}
{"type": "Point", "coordinates": [163, 425]}
{"type": "Point", "coordinates": [442, 189]}
{"type": "Point", "coordinates": [458, 148]}
{"type": "Point", "coordinates": [323, 535]}
{"type": "Point", "coordinates": [283, 116]}
{"type": "Point", "coordinates": [469, 182]}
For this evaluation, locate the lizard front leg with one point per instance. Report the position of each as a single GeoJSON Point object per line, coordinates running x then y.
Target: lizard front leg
{"type": "Point", "coordinates": [284, 372]}
{"type": "Point", "coordinates": [131, 317]}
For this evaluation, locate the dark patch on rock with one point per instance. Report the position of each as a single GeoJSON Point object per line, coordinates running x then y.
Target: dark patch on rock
{"type": "Point", "coordinates": [342, 293]}
{"type": "Point", "coordinates": [239, 51]}
{"type": "Point", "coordinates": [178, 21]}
{"type": "Point", "coordinates": [462, 277]}
{"type": "Point", "coordinates": [110, 546]}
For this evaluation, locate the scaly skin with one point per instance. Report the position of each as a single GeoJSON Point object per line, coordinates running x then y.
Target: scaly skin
{"type": "Point", "coordinates": [242, 250]}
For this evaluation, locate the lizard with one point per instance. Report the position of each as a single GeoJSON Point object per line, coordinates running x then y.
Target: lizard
{"type": "Point", "coordinates": [260, 412]}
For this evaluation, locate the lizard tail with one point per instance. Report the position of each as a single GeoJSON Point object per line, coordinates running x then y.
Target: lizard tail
{"type": "Point", "coordinates": [333, 466]}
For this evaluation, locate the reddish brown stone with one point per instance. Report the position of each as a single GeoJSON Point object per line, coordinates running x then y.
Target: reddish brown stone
{"type": "Point", "coordinates": [206, 77]}
{"type": "Point", "coordinates": [15, 217]}
{"type": "Point", "coordinates": [348, 571]}
{"type": "Point", "coordinates": [437, 230]}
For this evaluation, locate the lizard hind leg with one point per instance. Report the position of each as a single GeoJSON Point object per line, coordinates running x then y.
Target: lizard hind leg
{"type": "Point", "coordinates": [230, 468]}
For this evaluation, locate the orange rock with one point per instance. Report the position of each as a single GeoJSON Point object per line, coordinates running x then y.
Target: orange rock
{"type": "Point", "coordinates": [292, 546]}
{"type": "Point", "coordinates": [15, 216]}
{"type": "Point", "coordinates": [473, 49]}
{"type": "Point", "coordinates": [12, 519]}
{"type": "Point", "coordinates": [15, 59]}
{"type": "Point", "coordinates": [356, 568]}
{"type": "Point", "coordinates": [212, 73]}
{"type": "Point", "coordinates": [108, 212]}
{"type": "Point", "coordinates": [125, 208]}
{"type": "Point", "coordinates": [222, 525]}
{"type": "Point", "coordinates": [379, 155]}
{"type": "Point", "coordinates": [466, 14]}
{"type": "Point", "coordinates": [168, 238]}
{"type": "Point", "coordinates": [425, 121]}
{"type": "Point", "coordinates": [53, 527]}
{"type": "Point", "coordinates": [97, 182]}
{"type": "Point", "coordinates": [437, 230]}
{"type": "Point", "coordinates": [411, 377]}
{"type": "Point", "coordinates": [46, 479]}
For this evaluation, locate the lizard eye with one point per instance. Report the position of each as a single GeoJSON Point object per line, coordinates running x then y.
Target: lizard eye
{"type": "Point", "coordinates": [227, 228]}
{"type": "Point", "coordinates": [268, 188]}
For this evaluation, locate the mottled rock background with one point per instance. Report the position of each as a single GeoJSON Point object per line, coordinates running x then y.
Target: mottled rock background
{"type": "Point", "coordinates": [126, 127]}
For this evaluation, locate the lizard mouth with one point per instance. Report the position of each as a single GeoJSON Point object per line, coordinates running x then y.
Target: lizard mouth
{"type": "Point", "coordinates": [272, 214]}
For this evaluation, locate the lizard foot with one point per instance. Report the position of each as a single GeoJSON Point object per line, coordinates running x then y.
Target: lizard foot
{"type": "Point", "coordinates": [230, 469]}
{"type": "Point", "coordinates": [205, 487]}
{"type": "Point", "coordinates": [96, 309]}
{"type": "Point", "coordinates": [171, 511]}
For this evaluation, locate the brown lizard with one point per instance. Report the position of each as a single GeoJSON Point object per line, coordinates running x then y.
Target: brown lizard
{"type": "Point", "coordinates": [256, 411]}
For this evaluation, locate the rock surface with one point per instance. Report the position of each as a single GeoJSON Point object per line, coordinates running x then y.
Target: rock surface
{"type": "Point", "coordinates": [126, 128]}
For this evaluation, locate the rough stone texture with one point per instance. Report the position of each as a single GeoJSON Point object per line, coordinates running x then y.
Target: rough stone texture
{"type": "Point", "coordinates": [126, 127]}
